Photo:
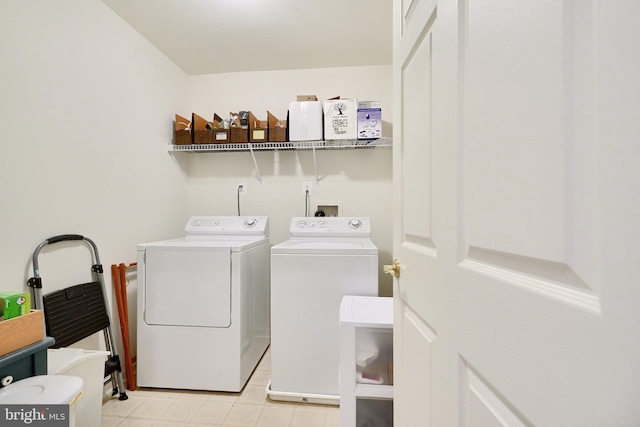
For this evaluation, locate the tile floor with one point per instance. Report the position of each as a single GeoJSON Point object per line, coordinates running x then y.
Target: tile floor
{"type": "Point", "coordinates": [181, 408]}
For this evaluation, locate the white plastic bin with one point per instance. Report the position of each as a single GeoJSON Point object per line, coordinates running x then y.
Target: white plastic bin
{"type": "Point", "coordinates": [44, 390]}
{"type": "Point", "coordinates": [88, 365]}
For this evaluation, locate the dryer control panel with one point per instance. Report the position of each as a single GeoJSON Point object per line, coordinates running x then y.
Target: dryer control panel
{"type": "Point", "coordinates": [227, 226]}
{"type": "Point", "coordinates": [359, 227]}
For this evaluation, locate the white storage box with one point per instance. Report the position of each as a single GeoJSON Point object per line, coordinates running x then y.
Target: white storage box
{"type": "Point", "coordinates": [340, 119]}
{"type": "Point", "coordinates": [43, 390]}
{"type": "Point", "coordinates": [305, 121]}
{"type": "Point", "coordinates": [366, 361]}
{"type": "Point", "coordinates": [88, 365]}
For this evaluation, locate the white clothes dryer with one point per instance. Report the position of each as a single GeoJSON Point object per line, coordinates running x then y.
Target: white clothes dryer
{"type": "Point", "coordinates": [325, 259]}
{"type": "Point", "coordinates": [203, 305]}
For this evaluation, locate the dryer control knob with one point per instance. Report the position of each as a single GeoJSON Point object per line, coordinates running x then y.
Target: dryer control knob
{"type": "Point", "coordinates": [355, 223]}
{"type": "Point", "coordinates": [250, 222]}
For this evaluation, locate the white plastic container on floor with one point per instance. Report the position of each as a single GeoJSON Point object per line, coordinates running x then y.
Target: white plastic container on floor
{"type": "Point", "coordinates": [45, 390]}
{"type": "Point", "coordinates": [88, 365]}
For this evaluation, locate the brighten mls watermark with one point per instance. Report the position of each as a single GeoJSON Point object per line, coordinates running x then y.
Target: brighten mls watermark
{"type": "Point", "coordinates": [34, 415]}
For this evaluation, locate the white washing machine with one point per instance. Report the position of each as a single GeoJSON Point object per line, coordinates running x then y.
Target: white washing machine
{"type": "Point", "coordinates": [203, 305]}
{"type": "Point", "coordinates": [324, 260]}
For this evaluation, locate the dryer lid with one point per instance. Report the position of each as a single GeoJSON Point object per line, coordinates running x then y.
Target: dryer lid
{"type": "Point", "coordinates": [234, 243]}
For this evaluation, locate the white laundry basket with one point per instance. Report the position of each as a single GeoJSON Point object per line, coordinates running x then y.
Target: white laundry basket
{"type": "Point", "coordinates": [88, 365]}
{"type": "Point", "coordinates": [43, 390]}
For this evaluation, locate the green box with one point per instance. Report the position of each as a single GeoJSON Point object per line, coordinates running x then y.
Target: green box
{"type": "Point", "coordinates": [14, 304]}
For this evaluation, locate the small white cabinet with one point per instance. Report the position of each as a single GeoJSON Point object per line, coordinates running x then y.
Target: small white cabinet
{"type": "Point", "coordinates": [366, 362]}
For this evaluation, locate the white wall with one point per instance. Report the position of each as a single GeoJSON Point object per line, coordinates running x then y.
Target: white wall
{"type": "Point", "coordinates": [86, 109]}
{"type": "Point", "coordinates": [86, 106]}
{"type": "Point", "coordinates": [359, 180]}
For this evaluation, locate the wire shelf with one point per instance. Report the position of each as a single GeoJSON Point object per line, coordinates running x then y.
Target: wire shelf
{"type": "Point", "coordinates": [284, 146]}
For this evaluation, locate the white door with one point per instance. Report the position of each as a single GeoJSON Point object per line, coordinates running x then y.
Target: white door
{"type": "Point", "coordinates": [517, 213]}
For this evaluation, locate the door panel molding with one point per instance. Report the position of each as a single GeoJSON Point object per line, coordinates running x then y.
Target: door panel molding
{"type": "Point", "coordinates": [482, 405]}
{"type": "Point", "coordinates": [423, 245]}
{"type": "Point", "coordinates": [412, 8]}
{"type": "Point", "coordinates": [544, 218]}
{"type": "Point", "coordinates": [553, 280]}
{"type": "Point", "coordinates": [417, 157]}
{"type": "Point", "coordinates": [416, 339]}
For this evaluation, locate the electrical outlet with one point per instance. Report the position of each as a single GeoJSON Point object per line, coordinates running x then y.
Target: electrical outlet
{"type": "Point", "coordinates": [242, 189]}
{"type": "Point", "coordinates": [306, 186]}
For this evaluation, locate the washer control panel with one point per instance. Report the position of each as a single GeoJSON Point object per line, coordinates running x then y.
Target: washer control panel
{"type": "Point", "coordinates": [330, 227]}
{"type": "Point", "coordinates": [227, 226]}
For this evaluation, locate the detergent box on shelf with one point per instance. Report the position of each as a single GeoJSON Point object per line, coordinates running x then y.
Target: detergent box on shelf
{"type": "Point", "coordinates": [369, 120]}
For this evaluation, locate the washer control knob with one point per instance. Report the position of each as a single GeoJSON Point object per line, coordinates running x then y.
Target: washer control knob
{"type": "Point", "coordinates": [250, 222]}
{"type": "Point", "coordinates": [355, 223]}
{"type": "Point", "coordinates": [197, 222]}
{"type": "Point", "coordinates": [301, 224]}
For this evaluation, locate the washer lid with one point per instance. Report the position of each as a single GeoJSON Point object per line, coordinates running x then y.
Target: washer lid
{"type": "Point", "coordinates": [346, 246]}
{"type": "Point", "coordinates": [42, 389]}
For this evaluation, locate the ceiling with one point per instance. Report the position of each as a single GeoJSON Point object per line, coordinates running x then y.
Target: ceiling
{"type": "Point", "coordinates": [223, 36]}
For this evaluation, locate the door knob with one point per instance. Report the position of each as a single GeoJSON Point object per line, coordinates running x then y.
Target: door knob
{"type": "Point", "coordinates": [393, 269]}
